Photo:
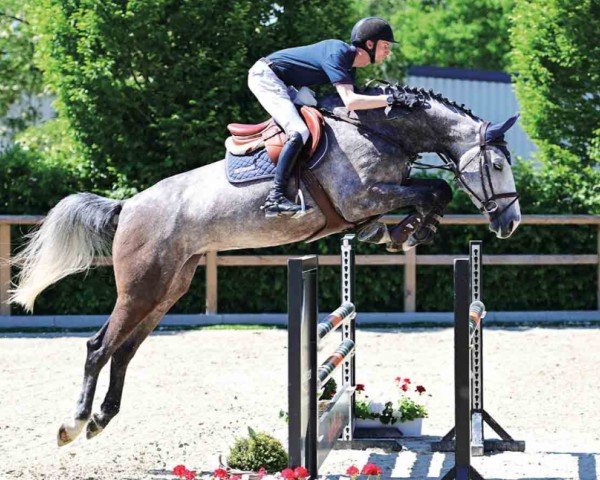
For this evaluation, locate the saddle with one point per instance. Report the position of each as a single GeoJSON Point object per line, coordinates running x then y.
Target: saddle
{"type": "Point", "coordinates": [247, 138]}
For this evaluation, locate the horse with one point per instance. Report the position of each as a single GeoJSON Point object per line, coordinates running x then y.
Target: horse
{"type": "Point", "coordinates": [158, 236]}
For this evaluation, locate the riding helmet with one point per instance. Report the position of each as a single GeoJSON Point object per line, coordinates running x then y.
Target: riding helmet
{"type": "Point", "coordinates": [371, 28]}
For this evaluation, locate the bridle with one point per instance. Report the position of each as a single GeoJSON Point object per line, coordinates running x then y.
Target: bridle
{"type": "Point", "coordinates": [488, 204]}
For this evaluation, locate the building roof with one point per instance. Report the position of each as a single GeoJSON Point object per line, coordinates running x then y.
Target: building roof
{"type": "Point", "coordinates": [459, 74]}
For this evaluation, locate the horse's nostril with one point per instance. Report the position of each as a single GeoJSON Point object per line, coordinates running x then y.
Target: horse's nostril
{"type": "Point", "coordinates": [511, 225]}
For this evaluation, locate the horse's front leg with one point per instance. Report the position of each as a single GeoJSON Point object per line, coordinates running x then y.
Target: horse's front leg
{"type": "Point", "coordinates": [428, 197]}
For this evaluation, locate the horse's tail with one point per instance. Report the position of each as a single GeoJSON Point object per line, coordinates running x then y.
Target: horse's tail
{"type": "Point", "coordinates": [79, 227]}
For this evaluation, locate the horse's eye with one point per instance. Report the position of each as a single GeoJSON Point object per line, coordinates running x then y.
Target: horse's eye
{"type": "Point", "coordinates": [497, 165]}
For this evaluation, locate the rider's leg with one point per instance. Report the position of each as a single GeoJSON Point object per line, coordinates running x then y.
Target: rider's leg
{"type": "Point", "coordinates": [277, 203]}
{"type": "Point", "coordinates": [273, 95]}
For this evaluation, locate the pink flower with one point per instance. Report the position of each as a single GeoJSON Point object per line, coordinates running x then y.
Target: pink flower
{"type": "Point", "coordinates": [404, 387]}
{"type": "Point", "coordinates": [221, 473]}
{"type": "Point", "coordinates": [288, 473]}
{"type": "Point", "coordinates": [262, 472]}
{"type": "Point", "coordinates": [352, 471]}
{"type": "Point", "coordinates": [301, 472]}
{"type": "Point", "coordinates": [406, 380]}
{"type": "Point", "coordinates": [398, 379]}
{"type": "Point", "coordinates": [235, 477]}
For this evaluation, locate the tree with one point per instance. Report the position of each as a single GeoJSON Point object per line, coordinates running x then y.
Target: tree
{"type": "Point", "coordinates": [448, 33]}
{"type": "Point", "coordinates": [556, 53]}
{"type": "Point", "coordinates": [148, 86]}
{"type": "Point", "coordinates": [20, 80]}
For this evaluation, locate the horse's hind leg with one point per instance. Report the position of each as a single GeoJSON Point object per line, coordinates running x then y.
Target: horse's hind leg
{"type": "Point", "coordinates": [121, 358]}
{"type": "Point", "coordinates": [142, 288]}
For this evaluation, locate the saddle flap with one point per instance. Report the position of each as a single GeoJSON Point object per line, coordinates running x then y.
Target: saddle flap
{"type": "Point", "coordinates": [314, 121]}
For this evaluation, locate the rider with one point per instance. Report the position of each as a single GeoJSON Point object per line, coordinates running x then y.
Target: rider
{"type": "Point", "coordinates": [329, 61]}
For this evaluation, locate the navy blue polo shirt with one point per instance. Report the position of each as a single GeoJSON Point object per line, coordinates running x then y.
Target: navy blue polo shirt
{"type": "Point", "coordinates": [329, 61]}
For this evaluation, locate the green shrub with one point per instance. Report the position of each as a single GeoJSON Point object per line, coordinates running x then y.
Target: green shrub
{"type": "Point", "coordinates": [259, 450]}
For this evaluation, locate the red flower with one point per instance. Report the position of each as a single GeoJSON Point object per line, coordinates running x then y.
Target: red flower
{"type": "Point", "coordinates": [288, 473]}
{"type": "Point", "coordinates": [221, 473]}
{"type": "Point", "coordinates": [420, 388]}
{"type": "Point", "coordinates": [262, 472]}
{"type": "Point", "coordinates": [406, 380]}
{"type": "Point", "coordinates": [360, 387]}
{"type": "Point", "coordinates": [398, 379]}
{"type": "Point", "coordinates": [352, 471]}
{"type": "Point", "coordinates": [301, 472]}
{"type": "Point", "coordinates": [371, 469]}
{"type": "Point", "coordinates": [179, 470]}
{"type": "Point", "coordinates": [404, 387]}
{"type": "Point", "coordinates": [190, 475]}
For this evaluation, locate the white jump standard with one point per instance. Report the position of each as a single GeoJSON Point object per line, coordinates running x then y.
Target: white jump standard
{"type": "Point", "coordinates": [466, 438]}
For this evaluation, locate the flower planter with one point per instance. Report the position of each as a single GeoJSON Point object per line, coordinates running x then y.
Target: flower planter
{"type": "Point", "coordinates": [369, 423]}
{"type": "Point", "coordinates": [411, 428]}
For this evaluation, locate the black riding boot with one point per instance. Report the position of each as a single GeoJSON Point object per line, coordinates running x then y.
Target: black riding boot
{"type": "Point", "coordinates": [277, 204]}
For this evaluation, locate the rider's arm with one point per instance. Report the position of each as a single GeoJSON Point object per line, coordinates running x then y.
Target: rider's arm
{"type": "Point", "coordinates": [356, 101]}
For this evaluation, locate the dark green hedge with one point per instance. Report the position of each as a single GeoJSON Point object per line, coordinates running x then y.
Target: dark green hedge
{"type": "Point", "coordinates": [380, 289]}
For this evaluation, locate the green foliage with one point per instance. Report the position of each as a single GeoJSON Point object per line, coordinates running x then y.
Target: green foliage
{"type": "Point", "coordinates": [362, 410]}
{"type": "Point", "coordinates": [257, 451]}
{"type": "Point", "coordinates": [451, 33]}
{"type": "Point", "coordinates": [387, 416]}
{"type": "Point", "coordinates": [150, 85]}
{"type": "Point", "coordinates": [410, 410]}
{"type": "Point", "coordinates": [556, 56]}
{"type": "Point", "coordinates": [19, 78]}
{"type": "Point", "coordinates": [29, 184]}
{"type": "Point", "coordinates": [329, 390]}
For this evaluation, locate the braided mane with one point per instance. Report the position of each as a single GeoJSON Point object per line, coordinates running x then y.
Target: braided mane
{"type": "Point", "coordinates": [412, 97]}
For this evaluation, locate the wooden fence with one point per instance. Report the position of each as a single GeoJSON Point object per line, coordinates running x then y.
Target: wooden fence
{"type": "Point", "coordinates": [408, 261]}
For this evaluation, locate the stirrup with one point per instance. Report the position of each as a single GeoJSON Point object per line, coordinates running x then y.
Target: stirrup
{"type": "Point", "coordinates": [280, 207]}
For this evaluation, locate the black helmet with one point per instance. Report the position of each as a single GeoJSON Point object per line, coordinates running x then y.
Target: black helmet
{"type": "Point", "coordinates": [371, 28]}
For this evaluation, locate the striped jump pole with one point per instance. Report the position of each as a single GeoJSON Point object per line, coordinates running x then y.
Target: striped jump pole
{"type": "Point", "coordinates": [325, 371]}
{"type": "Point", "coordinates": [335, 319]}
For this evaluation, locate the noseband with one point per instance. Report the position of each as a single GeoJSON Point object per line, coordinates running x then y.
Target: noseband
{"type": "Point", "coordinates": [488, 203]}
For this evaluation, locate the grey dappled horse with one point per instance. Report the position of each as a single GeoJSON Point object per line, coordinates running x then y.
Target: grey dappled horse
{"type": "Point", "coordinates": [159, 235]}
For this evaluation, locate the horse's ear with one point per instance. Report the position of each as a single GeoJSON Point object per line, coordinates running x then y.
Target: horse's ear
{"type": "Point", "coordinates": [496, 130]}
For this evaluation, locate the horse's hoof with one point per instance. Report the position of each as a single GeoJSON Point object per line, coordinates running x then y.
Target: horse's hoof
{"type": "Point", "coordinates": [93, 427]}
{"type": "Point", "coordinates": [68, 433]}
{"type": "Point", "coordinates": [408, 245]}
{"type": "Point", "coordinates": [393, 247]}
